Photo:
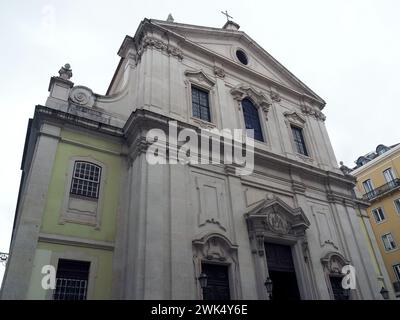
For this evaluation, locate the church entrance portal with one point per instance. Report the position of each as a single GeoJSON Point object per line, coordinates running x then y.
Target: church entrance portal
{"type": "Point", "coordinates": [282, 272]}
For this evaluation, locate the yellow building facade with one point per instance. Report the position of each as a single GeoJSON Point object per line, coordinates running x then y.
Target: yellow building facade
{"type": "Point", "coordinates": [378, 181]}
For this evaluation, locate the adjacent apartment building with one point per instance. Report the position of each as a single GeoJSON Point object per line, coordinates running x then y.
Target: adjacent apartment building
{"type": "Point", "coordinates": [378, 181]}
{"type": "Point", "coordinates": [115, 226]}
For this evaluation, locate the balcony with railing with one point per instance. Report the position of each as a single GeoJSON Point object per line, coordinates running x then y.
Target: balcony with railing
{"type": "Point", "coordinates": [382, 190]}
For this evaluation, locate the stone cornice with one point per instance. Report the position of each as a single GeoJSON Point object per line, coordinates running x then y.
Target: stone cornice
{"type": "Point", "coordinates": [141, 120]}
{"type": "Point", "coordinates": [76, 242]}
{"type": "Point", "coordinates": [44, 113]}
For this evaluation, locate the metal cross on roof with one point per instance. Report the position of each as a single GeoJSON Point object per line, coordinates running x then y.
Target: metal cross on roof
{"type": "Point", "coordinates": [227, 15]}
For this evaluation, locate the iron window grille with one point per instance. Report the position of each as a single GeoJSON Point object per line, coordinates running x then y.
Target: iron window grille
{"type": "Point", "coordinates": [200, 104]}
{"type": "Point", "coordinates": [86, 179]}
{"type": "Point", "coordinates": [252, 119]}
{"type": "Point", "coordinates": [299, 140]}
{"type": "Point", "coordinates": [71, 280]}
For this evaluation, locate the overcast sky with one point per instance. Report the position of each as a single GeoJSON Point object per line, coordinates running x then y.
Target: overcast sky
{"type": "Point", "coordinates": [347, 51]}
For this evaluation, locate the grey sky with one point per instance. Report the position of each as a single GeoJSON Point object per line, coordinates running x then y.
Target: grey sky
{"type": "Point", "coordinates": [347, 51]}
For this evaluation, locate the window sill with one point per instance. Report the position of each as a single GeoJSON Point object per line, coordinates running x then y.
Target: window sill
{"type": "Point", "coordinates": [304, 157]}
{"type": "Point", "coordinates": [202, 123]}
{"type": "Point", "coordinates": [392, 250]}
{"type": "Point", "coordinates": [77, 196]}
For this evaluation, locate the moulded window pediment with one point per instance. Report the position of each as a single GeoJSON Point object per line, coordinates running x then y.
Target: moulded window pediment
{"type": "Point", "coordinates": [200, 77]}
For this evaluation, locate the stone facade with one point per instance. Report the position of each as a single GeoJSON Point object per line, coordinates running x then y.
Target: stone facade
{"type": "Point", "coordinates": [149, 239]}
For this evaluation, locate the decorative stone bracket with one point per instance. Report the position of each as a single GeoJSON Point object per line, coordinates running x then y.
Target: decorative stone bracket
{"type": "Point", "coordinates": [151, 42]}
{"type": "Point", "coordinates": [308, 110]}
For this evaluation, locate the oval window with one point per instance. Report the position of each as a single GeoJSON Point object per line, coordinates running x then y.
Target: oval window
{"type": "Point", "coordinates": [242, 57]}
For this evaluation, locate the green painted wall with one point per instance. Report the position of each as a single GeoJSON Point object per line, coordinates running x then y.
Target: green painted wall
{"type": "Point", "coordinates": [101, 271]}
{"type": "Point", "coordinates": [58, 184]}
{"type": "Point", "coordinates": [75, 144]}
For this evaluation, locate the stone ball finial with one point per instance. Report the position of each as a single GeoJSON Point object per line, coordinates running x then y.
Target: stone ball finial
{"type": "Point", "coordinates": [65, 72]}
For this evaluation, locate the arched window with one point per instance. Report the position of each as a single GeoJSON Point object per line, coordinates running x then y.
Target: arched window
{"type": "Point", "coordinates": [251, 119]}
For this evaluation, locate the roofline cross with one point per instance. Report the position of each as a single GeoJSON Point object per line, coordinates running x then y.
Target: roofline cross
{"type": "Point", "coordinates": [227, 15]}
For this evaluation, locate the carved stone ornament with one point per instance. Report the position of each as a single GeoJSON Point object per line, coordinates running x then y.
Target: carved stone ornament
{"type": "Point", "coordinates": [276, 217]}
{"type": "Point", "coordinates": [277, 223]}
{"type": "Point", "coordinates": [308, 110]}
{"type": "Point", "coordinates": [82, 96]}
{"type": "Point", "coordinates": [214, 247]}
{"type": "Point", "coordinates": [200, 76]}
{"type": "Point", "coordinates": [261, 100]}
{"type": "Point", "coordinates": [151, 42]}
{"type": "Point", "coordinates": [219, 72]}
{"type": "Point", "coordinates": [334, 262]}
{"type": "Point", "coordinates": [65, 72]}
{"type": "Point", "coordinates": [170, 18]}
{"type": "Point", "coordinates": [294, 118]}
{"type": "Point", "coordinates": [275, 96]}
{"type": "Point", "coordinates": [346, 170]}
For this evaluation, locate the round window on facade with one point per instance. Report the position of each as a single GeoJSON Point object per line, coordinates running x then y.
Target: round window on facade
{"type": "Point", "coordinates": [242, 57]}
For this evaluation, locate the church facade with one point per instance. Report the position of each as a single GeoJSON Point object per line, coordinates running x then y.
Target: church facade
{"type": "Point", "coordinates": [115, 226]}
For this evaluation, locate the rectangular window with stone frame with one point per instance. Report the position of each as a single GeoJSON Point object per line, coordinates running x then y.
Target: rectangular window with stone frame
{"type": "Point", "coordinates": [298, 139]}
{"type": "Point", "coordinates": [397, 205]}
{"type": "Point", "coordinates": [379, 215]}
{"type": "Point", "coordinates": [396, 269]}
{"type": "Point", "coordinates": [71, 280]}
{"type": "Point", "coordinates": [389, 242]}
{"type": "Point", "coordinates": [86, 180]}
{"type": "Point", "coordinates": [200, 104]}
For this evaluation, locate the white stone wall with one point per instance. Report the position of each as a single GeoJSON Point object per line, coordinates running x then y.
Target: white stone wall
{"type": "Point", "coordinates": [171, 217]}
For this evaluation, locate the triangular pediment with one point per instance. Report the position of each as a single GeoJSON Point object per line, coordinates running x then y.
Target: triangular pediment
{"type": "Point", "coordinates": [224, 44]}
{"type": "Point", "coordinates": [276, 216]}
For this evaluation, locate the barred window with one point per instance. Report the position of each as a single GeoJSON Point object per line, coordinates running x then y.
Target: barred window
{"type": "Point", "coordinates": [86, 179]}
{"type": "Point", "coordinates": [71, 280]}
